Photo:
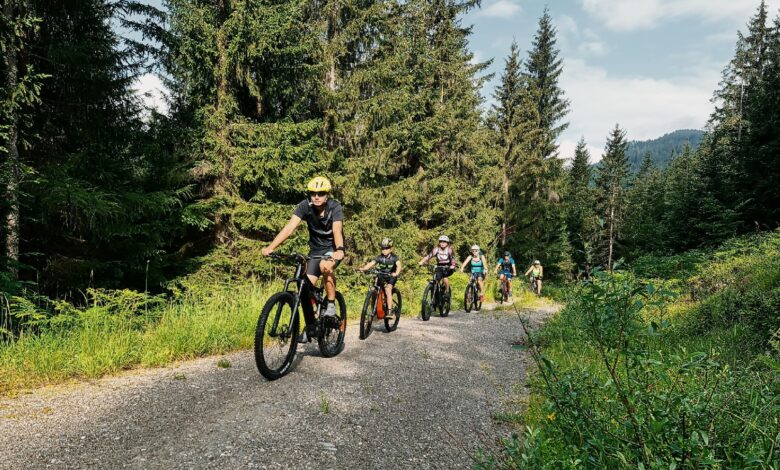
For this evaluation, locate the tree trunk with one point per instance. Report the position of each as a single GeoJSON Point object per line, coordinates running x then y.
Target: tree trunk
{"type": "Point", "coordinates": [12, 228]}
{"type": "Point", "coordinates": [222, 111]}
{"type": "Point", "coordinates": [611, 235]}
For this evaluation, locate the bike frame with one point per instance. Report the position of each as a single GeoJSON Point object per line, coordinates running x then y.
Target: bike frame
{"type": "Point", "coordinates": [436, 284]}
{"type": "Point", "coordinates": [301, 281]}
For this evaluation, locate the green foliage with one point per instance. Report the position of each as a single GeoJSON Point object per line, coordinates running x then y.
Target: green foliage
{"type": "Point", "coordinates": [631, 375]}
{"type": "Point", "coordinates": [663, 149]}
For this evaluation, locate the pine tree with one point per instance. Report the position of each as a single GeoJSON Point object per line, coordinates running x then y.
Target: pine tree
{"type": "Point", "coordinates": [543, 69]}
{"type": "Point", "coordinates": [21, 90]}
{"type": "Point", "coordinates": [644, 231]}
{"type": "Point", "coordinates": [579, 203]}
{"type": "Point", "coordinates": [611, 184]}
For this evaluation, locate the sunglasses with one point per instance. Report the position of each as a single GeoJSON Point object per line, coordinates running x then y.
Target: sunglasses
{"type": "Point", "coordinates": [318, 193]}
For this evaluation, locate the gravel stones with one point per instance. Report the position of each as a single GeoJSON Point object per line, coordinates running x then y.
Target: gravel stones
{"type": "Point", "coordinates": [420, 397]}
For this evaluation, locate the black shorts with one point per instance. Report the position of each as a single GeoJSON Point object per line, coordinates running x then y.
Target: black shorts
{"type": "Point", "coordinates": [478, 275]}
{"type": "Point", "coordinates": [313, 265]}
{"type": "Point", "coordinates": [387, 280]}
{"type": "Point", "coordinates": [442, 272]}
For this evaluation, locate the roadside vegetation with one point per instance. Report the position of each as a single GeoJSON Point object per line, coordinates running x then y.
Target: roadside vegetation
{"type": "Point", "coordinates": [672, 362]}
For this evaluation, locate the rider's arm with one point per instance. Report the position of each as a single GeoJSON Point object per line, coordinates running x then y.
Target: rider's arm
{"type": "Point", "coordinates": [484, 260]}
{"type": "Point", "coordinates": [463, 266]}
{"type": "Point", "coordinates": [368, 265]}
{"type": "Point", "coordinates": [338, 239]}
{"type": "Point", "coordinates": [495, 271]}
{"type": "Point", "coordinates": [529, 270]}
{"type": "Point", "coordinates": [397, 268]}
{"type": "Point", "coordinates": [541, 271]}
{"type": "Point", "coordinates": [426, 258]}
{"type": "Point", "coordinates": [283, 235]}
{"type": "Point", "coordinates": [514, 270]}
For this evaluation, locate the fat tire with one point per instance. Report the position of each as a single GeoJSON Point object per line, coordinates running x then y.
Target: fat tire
{"type": "Point", "coordinates": [367, 314]}
{"type": "Point", "coordinates": [326, 348]}
{"type": "Point", "coordinates": [467, 302]}
{"type": "Point", "coordinates": [425, 311]}
{"type": "Point", "coordinates": [265, 315]}
{"type": "Point", "coordinates": [391, 326]}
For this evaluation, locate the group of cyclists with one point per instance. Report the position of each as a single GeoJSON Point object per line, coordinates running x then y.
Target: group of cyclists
{"type": "Point", "coordinates": [324, 217]}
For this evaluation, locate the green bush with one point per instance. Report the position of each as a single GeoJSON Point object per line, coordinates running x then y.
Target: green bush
{"type": "Point", "coordinates": [617, 388]}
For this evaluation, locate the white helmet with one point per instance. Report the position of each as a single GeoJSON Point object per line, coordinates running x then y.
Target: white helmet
{"type": "Point", "coordinates": [444, 238]}
{"type": "Point", "coordinates": [474, 247]}
{"type": "Point", "coordinates": [536, 261]}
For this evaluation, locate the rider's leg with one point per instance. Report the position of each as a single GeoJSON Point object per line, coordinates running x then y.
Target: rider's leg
{"type": "Point", "coordinates": [389, 295]}
{"type": "Point", "coordinates": [329, 278]}
{"type": "Point", "coordinates": [480, 283]}
{"type": "Point", "coordinates": [539, 287]}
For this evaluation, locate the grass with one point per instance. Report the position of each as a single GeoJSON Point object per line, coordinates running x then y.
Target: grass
{"type": "Point", "coordinates": [708, 358]}
{"type": "Point", "coordinates": [122, 330]}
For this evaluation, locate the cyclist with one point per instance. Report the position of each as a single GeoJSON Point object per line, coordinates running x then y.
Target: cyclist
{"type": "Point", "coordinates": [537, 271]}
{"type": "Point", "coordinates": [508, 270]}
{"type": "Point", "coordinates": [477, 263]}
{"type": "Point", "coordinates": [444, 258]}
{"type": "Point", "coordinates": [324, 217]}
{"type": "Point", "coordinates": [387, 262]}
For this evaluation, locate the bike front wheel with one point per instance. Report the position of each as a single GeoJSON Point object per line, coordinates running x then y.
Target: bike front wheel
{"type": "Point", "coordinates": [468, 298]}
{"type": "Point", "coordinates": [392, 317]}
{"type": "Point", "coordinates": [332, 329]}
{"type": "Point", "coordinates": [367, 314]}
{"type": "Point", "coordinates": [444, 303]}
{"type": "Point", "coordinates": [427, 300]}
{"type": "Point", "coordinates": [275, 341]}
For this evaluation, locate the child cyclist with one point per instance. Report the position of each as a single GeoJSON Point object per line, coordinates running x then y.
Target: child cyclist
{"type": "Point", "coordinates": [508, 270]}
{"type": "Point", "coordinates": [477, 263]}
{"type": "Point", "coordinates": [325, 218]}
{"type": "Point", "coordinates": [387, 262]}
{"type": "Point", "coordinates": [445, 259]}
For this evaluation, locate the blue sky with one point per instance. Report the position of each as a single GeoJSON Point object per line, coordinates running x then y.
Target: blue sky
{"type": "Point", "coordinates": [649, 65]}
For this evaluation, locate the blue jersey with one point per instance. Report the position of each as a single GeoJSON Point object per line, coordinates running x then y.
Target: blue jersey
{"type": "Point", "coordinates": [506, 266]}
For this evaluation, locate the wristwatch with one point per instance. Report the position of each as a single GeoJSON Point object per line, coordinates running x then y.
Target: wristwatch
{"type": "Point", "coordinates": [340, 248]}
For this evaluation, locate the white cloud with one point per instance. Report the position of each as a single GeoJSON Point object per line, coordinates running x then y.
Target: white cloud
{"type": "Point", "coordinates": [622, 15]}
{"type": "Point", "coordinates": [598, 48]}
{"type": "Point", "coordinates": [501, 9]}
{"type": "Point", "coordinates": [566, 149]}
{"type": "Point", "coordinates": [152, 92]}
{"type": "Point", "coordinates": [646, 107]}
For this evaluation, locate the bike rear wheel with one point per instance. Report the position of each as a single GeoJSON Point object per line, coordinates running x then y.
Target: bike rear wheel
{"type": "Point", "coordinates": [332, 329]}
{"type": "Point", "coordinates": [367, 314]}
{"type": "Point", "coordinates": [392, 317]}
{"type": "Point", "coordinates": [427, 301]}
{"type": "Point", "coordinates": [275, 348]}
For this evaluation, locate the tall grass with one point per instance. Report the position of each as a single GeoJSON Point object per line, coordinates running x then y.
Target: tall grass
{"type": "Point", "coordinates": [123, 329]}
{"type": "Point", "coordinates": [678, 371]}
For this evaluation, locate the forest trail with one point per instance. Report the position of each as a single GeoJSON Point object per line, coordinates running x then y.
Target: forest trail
{"type": "Point", "coordinates": [421, 397]}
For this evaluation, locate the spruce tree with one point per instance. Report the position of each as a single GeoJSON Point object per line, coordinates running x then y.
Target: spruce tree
{"type": "Point", "coordinates": [579, 204]}
{"type": "Point", "coordinates": [543, 69]}
{"type": "Point", "coordinates": [611, 182]}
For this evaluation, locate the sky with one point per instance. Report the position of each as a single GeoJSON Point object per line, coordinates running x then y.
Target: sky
{"type": "Point", "coordinates": [650, 66]}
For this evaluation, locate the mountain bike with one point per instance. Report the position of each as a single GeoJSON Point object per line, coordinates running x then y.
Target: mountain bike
{"type": "Point", "coordinates": [534, 285]}
{"type": "Point", "coordinates": [434, 297]}
{"type": "Point", "coordinates": [375, 305]}
{"type": "Point", "coordinates": [503, 285]}
{"type": "Point", "coordinates": [471, 299]}
{"type": "Point", "coordinates": [276, 336]}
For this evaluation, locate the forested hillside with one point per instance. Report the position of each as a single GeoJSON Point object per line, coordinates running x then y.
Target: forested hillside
{"type": "Point", "coordinates": [663, 149]}
{"type": "Point", "coordinates": [133, 237]}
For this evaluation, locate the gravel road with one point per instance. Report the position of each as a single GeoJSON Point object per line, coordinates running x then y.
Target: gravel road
{"type": "Point", "coordinates": [420, 397]}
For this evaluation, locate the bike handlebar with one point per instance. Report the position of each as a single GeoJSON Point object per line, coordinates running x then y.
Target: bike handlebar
{"type": "Point", "coordinates": [295, 257]}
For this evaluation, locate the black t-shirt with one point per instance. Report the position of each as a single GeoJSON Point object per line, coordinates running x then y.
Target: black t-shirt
{"type": "Point", "coordinates": [387, 264]}
{"type": "Point", "coordinates": [320, 228]}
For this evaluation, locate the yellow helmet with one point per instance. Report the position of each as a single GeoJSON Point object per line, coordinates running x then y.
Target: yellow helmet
{"type": "Point", "coordinates": [318, 183]}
